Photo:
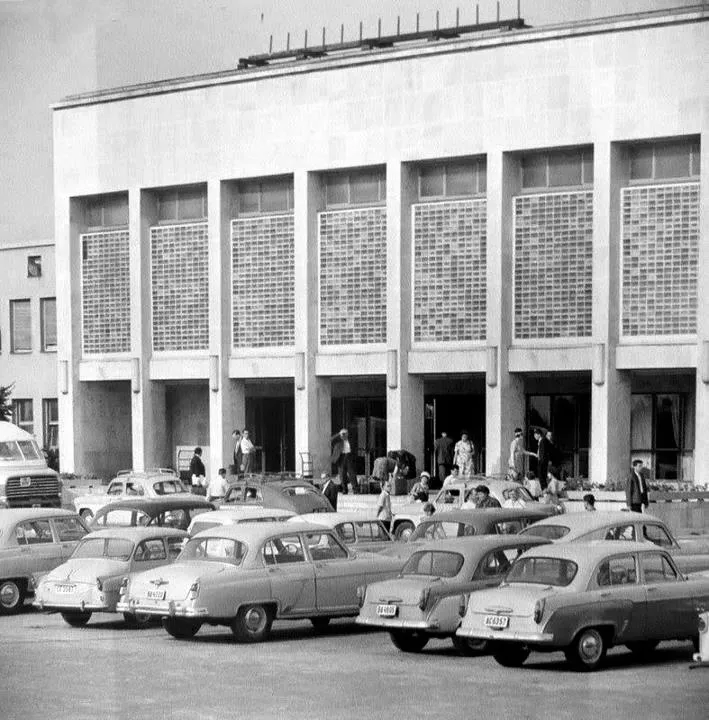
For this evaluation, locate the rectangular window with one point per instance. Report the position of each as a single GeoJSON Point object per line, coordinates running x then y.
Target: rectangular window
{"type": "Point", "coordinates": [34, 266]}
{"type": "Point", "coordinates": [20, 326]}
{"type": "Point", "coordinates": [356, 187]}
{"type": "Point", "coordinates": [256, 197]}
{"type": "Point", "coordinates": [666, 160]}
{"type": "Point", "coordinates": [50, 412]}
{"type": "Point", "coordinates": [23, 415]}
{"type": "Point", "coordinates": [182, 204]}
{"type": "Point", "coordinates": [107, 211]}
{"type": "Point", "coordinates": [48, 315]}
{"type": "Point", "coordinates": [557, 168]}
{"type": "Point", "coordinates": [459, 178]}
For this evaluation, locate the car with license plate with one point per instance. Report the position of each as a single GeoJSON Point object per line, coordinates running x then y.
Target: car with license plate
{"type": "Point", "coordinates": [690, 554]}
{"type": "Point", "coordinates": [33, 541]}
{"type": "Point", "coordinates": [460, 494]}
{"type": "Point", "coordinates": [176, 511]}
{"type": "Point", "coordinates": [584, 598]}
{"type": "Point", "coordinates": [236, 515]}
{"type": "Point", "coordinates": [356, 529]}
{"type": "Point", "coordinates": [298, 496]}
{"type": "Point", "coordinates": [248, 575]}
{"type": "Point", "coordinates": [424, 601]}
{"type": "Point", "coordinates": [127, 484]}
{"type": "Point", "coordinates": [90, 580]}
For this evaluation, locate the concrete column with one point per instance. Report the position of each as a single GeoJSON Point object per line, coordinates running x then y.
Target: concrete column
{"type": "Point", "coordinates": [313, 394]}
{"type": "Point", "coordinates": [701, 447]}
{"type": "Point", "coordinates": [149, 421]}
{"type": "Point", "coordinates": [504, 398]}
{"type": "Point", "coordinates": [404, 392]}
{"type": "Point", "coordinates": [610, 388]}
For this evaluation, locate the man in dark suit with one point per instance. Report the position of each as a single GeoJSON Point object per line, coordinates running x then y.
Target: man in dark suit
{"type": "Point", "coordinates": [236, 437]}
{"type": "Point", "coordinates": [198, 473]}
{"type": "Point", "coordinates": [342, 458]}
{"type": "Point", "coordinates": [543, 455]}
{"type": "Point", "coordinates": [444, 456]}
{"type": "Point", "coordinates": [331, 489]}
{"type": "Point", "coordinates": [636, 488]}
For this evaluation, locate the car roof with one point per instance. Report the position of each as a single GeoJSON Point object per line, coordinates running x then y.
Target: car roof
{"type": "Point", "coordinates": [592, 551]}
{"type": "Point", "coordinates": [335, 518]}
{"type": "Point", "coordinates": [243, 512]}
{"type": "Point", "coordinates": [580, 522]}
{"type": "Point", "coordinates": [156, 505]}
{"type": "Point", "coordinates": [481, 543]}
{"type": "Point", "coordinates": [485, 514]}
{"type": "Point", "coordinates": [10, 516]}
{"type": "Point", "coordinates": [137, 533]}
{"type": "Point", "coordinates": [255, 533]}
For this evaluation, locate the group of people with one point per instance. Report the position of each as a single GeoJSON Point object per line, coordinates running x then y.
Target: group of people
{"type": "Point", "coordinates": [449, 453]}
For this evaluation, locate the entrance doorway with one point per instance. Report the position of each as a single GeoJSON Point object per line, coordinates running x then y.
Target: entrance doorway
{"type": "Point", "coordinates": [366, 421]}
{"type": "Point", "coordinates": [271, 421]}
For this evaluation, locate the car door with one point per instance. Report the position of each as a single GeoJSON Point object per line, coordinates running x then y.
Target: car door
{"type": "Point", "coordinates": [671, 609]}
{"type": "Point", "coordinates": [291, 575]}
{"type": "Point", "coordinates": [38, 550]}
{"type": "Point", "coordinates": [148, 554]}
{"type": "Point", "coordinates": [68, 531]}
{"type": "Point", "coordinates": [337, 575]}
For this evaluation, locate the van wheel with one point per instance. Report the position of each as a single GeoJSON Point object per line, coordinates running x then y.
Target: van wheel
{"type": "Point", "coordinates": [12, 596]}
{"type": "Point", "coordinates": [180, 628]}
{"type": "Point", "coordinates": [587, 651]}
{"type": "Point", "coordinates": [252, 623]}
{"type": "Point", "coordinates": [403, 531]}
{"type": "Point", "coordinates": [76, 619]}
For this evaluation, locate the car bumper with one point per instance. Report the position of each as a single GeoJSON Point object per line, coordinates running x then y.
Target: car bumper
{"type": "Point", "coordinates": [397, 623]}
{"type": "Point", "coordinates": [168, 609]}
{"type": "Point", "coordinates": [530, 638]}
{"type": "Point", "coordinates": [82, 606]}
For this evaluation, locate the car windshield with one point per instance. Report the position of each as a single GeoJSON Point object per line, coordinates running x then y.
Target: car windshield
{"type": "Point", "coordinates": [543, 571]}
{"type": "Point", "coordinates": [435, 563]}
{"type": "Point", "coordinates": [214, 549]}
{"type": "Point", "coordinates": [550, 532]}
{"type": "Point", "coordinates": [169, 487]}
{"type": "Point", "coordinates": [113, 548]}
{"type": "Point", "coordinates": [439, 530]}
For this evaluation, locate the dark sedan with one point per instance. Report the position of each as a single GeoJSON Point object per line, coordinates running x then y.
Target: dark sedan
{"type": "Point", "coordinates": [297, 496]}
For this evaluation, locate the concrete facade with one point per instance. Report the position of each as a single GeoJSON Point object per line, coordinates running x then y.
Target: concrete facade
{"type": "Point", "coordinates": [606, 86]}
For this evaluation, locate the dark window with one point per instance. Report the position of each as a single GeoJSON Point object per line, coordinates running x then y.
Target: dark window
{"type": "Point", "coordinates": [557, 168]}
{"type": "Point", "coordinates": [50, 411]}
{"type": "Point", "coordinates": [23, 415]}
{"type": "Point", "coordinates": [356, 187]}
{"type": "Point", "coordinates": [48, 319]}
{"type": "Point", "coordinates": [666, 160]}
{"type": "Point", "coordinates": [34, 266]}
{"type": "Point", "coordinates": [182, 204]}
{"type": "Point", "coordinates": [107, 211]}
{"type": "Point", "coordinates": [452, 179]}
{"type": "Point", "coordinates": [20, 326]}
{"type": "Point", "coordinates": [271, 195]}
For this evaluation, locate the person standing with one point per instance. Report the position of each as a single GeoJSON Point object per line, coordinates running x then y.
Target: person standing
{"type": "Point", "coordinates": [515, 463]}
{"type": "Point", "coordinates": [636, 496]}
{"type": "Point", "coordinates": [216, 490]}
{"type": "Point", "coordinates": [248, 450]}
{"type": "Point", "coordinates": [464, 454]}
{"type": "Point", "coordinates": [443, 449]}
{"type": "Point", "coordinates": [385, 468]}
{"type": "Point", "coordinates": [542, 456]}
{"type": "Point", "coordinates": [341, 457]}
{"type": "Point", "coordinates": [384, 506]}
{"type": "Point", "coordinates": [198, 473]}
{"type": "Point", "coordinates": [331, 489]}
{"type": "Point", "coordinates": [236, 453]}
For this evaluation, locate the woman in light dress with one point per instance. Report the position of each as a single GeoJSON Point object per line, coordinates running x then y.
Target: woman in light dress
{"type": "Point", "coordinates": [464, 454]}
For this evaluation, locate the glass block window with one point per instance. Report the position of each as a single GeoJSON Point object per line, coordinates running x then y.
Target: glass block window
{"type": "Point", "coordinates": [180, 291]}
{"type": "Point", "coordinates": [355, 187]}
{"type": "Point", "coordinates": [553, 267]}
{"type": "Point", "coordinates": [353, 274]}
{"type": "Point", "coordinates": [105, 292]}
{"type": "Point", "coordinates": [450, 266]}
{"type": "Point", "coordinates": [263, 281]}
{"type": "Point", "coordinates": [660, 237]}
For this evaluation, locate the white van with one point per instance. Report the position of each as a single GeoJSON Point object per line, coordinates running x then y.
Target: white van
{"type": "Point", "coordinates": [25, 479]}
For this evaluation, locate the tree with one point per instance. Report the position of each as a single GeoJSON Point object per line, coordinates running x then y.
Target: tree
{"type": "Point", "coordinates": [5, 402]}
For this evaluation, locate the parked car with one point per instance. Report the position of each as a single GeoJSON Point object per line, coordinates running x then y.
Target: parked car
{"type": "Point", "coordinates": [90, 580]}
{"type": "Point", "coordinates": [355, 529]}
{"type": "Point", "coordinates": [129, 484]}
{"type": "Point", "coordinates": [460, 495]}
{"type": "Point", "coordinates": [690, 554]}
{"type": "Point", "coordinates": [236, 515]}
{"type": "Point", "coordinates": [248, 575]}
{"type": "Point", "coordinates": [584, 598]}
{"type": "Point", "coordinates": [425, 600]}
{"type": "Point", "coordinates": [295, 495]}
{"type": "Point", "coordinates": [33, 541]}
{"type": "Point", "coordinates": [175, 511]}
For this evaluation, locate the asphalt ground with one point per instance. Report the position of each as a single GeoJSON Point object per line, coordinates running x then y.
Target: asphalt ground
{"type": "Point", "coordinates": [49, 670]}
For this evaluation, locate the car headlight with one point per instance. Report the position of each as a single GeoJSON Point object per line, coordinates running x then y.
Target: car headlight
{"type": "Point", "coordinates": [539, 610]}
{"type": "Point", "coordinates": [361, 593]}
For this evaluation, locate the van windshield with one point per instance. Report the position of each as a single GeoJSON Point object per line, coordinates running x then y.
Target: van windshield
{"type": "Point", "coordinates": [10, 451]}
{"type": "Point", "coordinates": [20, 450]}
{"type": "Point", "coordinates": [30, 450]}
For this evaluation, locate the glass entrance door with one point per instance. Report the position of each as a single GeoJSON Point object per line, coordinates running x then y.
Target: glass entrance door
{"type": "Point", "coordinates": [365, 420]}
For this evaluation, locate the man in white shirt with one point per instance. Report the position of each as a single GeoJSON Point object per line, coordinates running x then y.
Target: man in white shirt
{"type": "Point", "coordinates": [216, 490]}
{"type": "Point", "coordinates": [514, 499]}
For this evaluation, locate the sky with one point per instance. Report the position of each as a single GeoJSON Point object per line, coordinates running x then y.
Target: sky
{"type": "Point", "coordinates": [53, 48]}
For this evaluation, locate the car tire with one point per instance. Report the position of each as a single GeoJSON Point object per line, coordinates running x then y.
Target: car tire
{"type": "Point", "coordinates": [181, 628]}
{"type": "Point", "coordinates": [12, 596]}
{"type": "Point", "coordinates": [86, 514]}
{"type": "Point", "coordinates": [76, 619]}
{"type": "Point", "coordinates": [510, 655]}
{"type": "Point", "coordinates": [469, 646]}
{"type": "Point", "coordinates": [136, 622]}
{"type": "Point", "coordinates": [642, 647]}
{"type": "Point", "coordinates": [411, 642]}
{"type": "Point", "coordinates": [320, 623]}
{"type": "Point", "coordinates": [587, 651]}
{"type": "Point", "coordinates": [252, 623]}
{"type": "Point", "coordinates": [403, 530]}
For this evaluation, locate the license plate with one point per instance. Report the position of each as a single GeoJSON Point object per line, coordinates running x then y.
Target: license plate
{"type": "Point", "coordinates": [65, 589]}
{"type": "Point", "coordinates": [387, 610]}
{"type": "Point", "coordinates": [499, 622]}
{"type": "Point", "coordinates": [156, 594]}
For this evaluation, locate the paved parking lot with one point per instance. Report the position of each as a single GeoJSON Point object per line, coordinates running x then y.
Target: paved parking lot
{"type": "Point", "coordinates": [50, 670]}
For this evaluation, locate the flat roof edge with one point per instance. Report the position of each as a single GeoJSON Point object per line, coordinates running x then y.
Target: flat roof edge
{"type": "Point", "coordinates": [619, 23]}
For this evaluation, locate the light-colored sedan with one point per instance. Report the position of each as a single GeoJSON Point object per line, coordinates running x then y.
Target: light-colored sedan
{"type": "Point", "coordinates": [91, 579]}
{"type": "Point", "coordinates": [425, 600]}
{"type": "Point", "coordinates": [33, 541]}
{"type": "Point", "coordinates": [355, 529]}
{"type": "Point", "coordinates": [584, 598]}
{"type": "Point", "coordinates": [248, 575]}
{"type": "Point", "coordinates": [236, 515]}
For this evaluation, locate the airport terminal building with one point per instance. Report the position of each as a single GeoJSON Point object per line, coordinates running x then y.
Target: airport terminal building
{"type": "Point", "coordinates": [466, 230]}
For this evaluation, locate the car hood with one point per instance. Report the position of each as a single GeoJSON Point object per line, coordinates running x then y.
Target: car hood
{"type": "Point", "coordinates": [404, 590]}
{"type": "Point", "coordinates": [177, 578]}
{"type": "Point", "coordinates": [87, 570]}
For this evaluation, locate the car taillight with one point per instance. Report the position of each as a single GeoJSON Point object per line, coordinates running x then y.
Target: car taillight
{"type": "Point", "coordinates": [539, 610]}
{"type": "Point", "coordinates": [193, 591]}
{"type": "Point", "coordinates": [123, 590]}
{"type": "Point", "coordinates": [361, 593]}
{"type": "Point", "coordinates": [424, 597]}
{"type": "Point", "coordinates": [463, 605]}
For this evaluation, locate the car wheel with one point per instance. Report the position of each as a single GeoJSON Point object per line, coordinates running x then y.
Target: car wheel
{"type": "Point", "coordinates": [136, 621]}
{"type": "Point", "coordinates": [511, 654]}
{"type": "Point", "coordinates": [180, 628]}
{"type": "Point", "coordinates": [252, 623]}
{"type": "Point", "coordinates": [76, 619]}
{"type": "Point", "coordinates": [411, 642]}
{"type": "Point", "coordinates": [12, 596]}
{"type": "Point", "coordinates": [403, 531]}
{"type": "Point", "coordinates": [587, 650]}
{"type": "Point", "coordinates": [320, 623]}
{"type": "Point", "coordinates": [642, 647]}
{"type": "Point", "coordinates": [86, 514]}
{"type": "Point", "coordinates": [469, 646]}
